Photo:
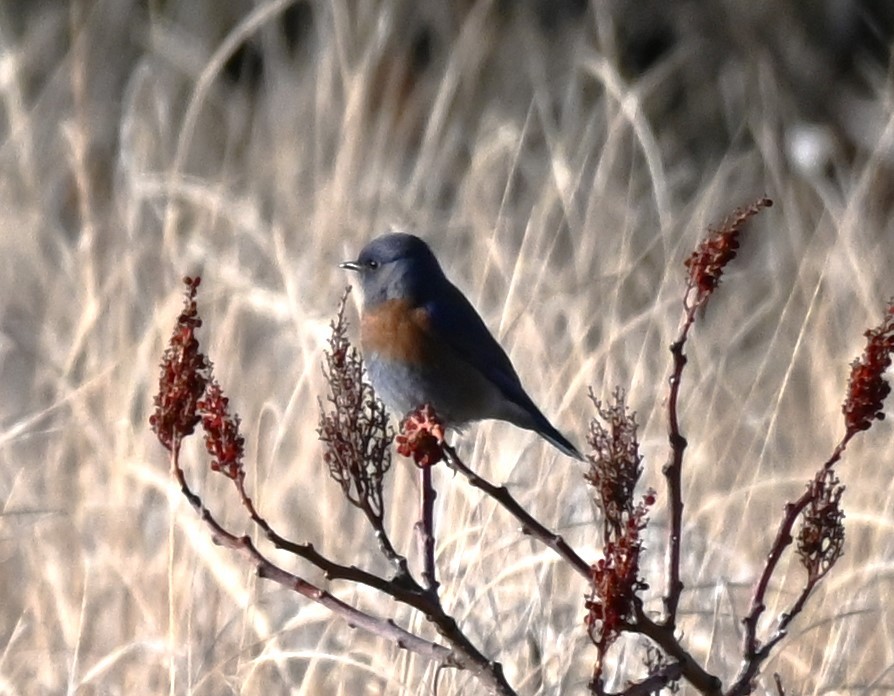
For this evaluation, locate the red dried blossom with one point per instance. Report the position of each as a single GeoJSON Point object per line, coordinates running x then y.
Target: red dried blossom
{"type": "Point", "coordinates": [222, 439]}
{"type": "Point", "coordinates": [867, 388]}
{"type": "Point", "coordinates": [184, 375]}
{"type": "Point", "coordinates": [422, 437]}
{"type": "Point", "coordinates": [707, 262]}
{"type": "Point", "coordinates": [616, 582]}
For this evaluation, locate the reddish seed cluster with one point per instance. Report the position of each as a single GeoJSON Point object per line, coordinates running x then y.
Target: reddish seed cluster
{"type": "Point", "coordinates": [615, 468]}
{"type": "Point", "coordinates": [184, 375]}
{"type": "Point", "coordinates": [616, 580]}
{"type": "Point", "coordinates": [707, 262]}
{"type": "Point", "coordinates": [422, 437]}
{"type": "Point", "coordinates": [713, 254]}
{"type": "Point", "coordinates": [222, 438]}
{"type": "Point", "coordinates": [188, 394]}
{"type": "Point", "coordinates": [867, 388]}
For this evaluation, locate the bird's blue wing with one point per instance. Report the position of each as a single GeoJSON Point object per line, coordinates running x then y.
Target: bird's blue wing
{"type": "Point", "coordinates": [454, 321]}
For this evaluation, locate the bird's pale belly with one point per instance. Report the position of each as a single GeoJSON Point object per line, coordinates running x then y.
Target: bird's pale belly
{"type": "Point", "coordinates": [456, 399]}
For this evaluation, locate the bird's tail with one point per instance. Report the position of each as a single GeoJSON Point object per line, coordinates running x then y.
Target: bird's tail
{"type": "Point", "coordinates": [524, 413]}
{"type": "Point", "coordinates": [534, 420]}
{"type": "Point", "coordinates": [546, 430]}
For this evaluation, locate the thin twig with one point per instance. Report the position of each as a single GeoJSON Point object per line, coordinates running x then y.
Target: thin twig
{"type": "Point", "coordinates": [780, 691]}
{"type": "Point", "coordinates": [652, 684]}
{"type": "Point", "coordinates": [530, 525]}
{"type": "Point", "coordinates": [673, 473]}
{"type": "Point", "coordinates": [706, 266]}
{"type": "Point", "coordinates": [664, 636]}
{"type": "Point", "coordinates": [425, 529]}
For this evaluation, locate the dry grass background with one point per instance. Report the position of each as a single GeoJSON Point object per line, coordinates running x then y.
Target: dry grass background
{"type": "Point", "coordinates": [562, 161]}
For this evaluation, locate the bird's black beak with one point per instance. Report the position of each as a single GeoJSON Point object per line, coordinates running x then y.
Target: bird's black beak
{"type": "Point", "coordinates": [349, 265]}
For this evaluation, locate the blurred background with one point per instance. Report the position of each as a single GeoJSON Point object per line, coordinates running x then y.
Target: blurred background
{"type": "Point", "coordinates": [563, 158]}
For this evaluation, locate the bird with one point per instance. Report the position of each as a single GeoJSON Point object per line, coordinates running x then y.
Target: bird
{"type": "Point", "coordinates": [424, 343]}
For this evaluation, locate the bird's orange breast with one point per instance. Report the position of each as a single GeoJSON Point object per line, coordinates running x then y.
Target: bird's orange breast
{"type": "Point", "coordinates": [394, 330]}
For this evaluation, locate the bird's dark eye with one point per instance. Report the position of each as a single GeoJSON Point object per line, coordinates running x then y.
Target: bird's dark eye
{"type": "Point", "coordinates": [373, 265]}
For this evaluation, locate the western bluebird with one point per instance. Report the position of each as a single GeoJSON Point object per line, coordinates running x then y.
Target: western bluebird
{"type": "Point", "coordinates": [425, 343]}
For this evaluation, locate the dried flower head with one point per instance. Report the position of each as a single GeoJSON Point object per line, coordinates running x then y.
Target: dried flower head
{"type": "Point", "coordinates": [707, 262]}
{"type": "Point", "coordinates": [422, 437]}
{"type": "Point", "coordinates": [615, 462]}
{"type": "Point", "coordinates": [184, 375]}
{"type": "Point", "coordinates": [867, 388]}
{"type": "Point", "coordinates": [222, 439]}
{"type": "Point", "coordinates": [616, 581]}
{"type": "Point", "coordinates": [355, 427]}
{"type": "Point", "coordinates": [821, 537]}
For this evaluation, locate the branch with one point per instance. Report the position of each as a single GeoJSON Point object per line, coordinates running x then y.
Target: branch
{"type": "Point", "coordinates": [672, 471]}
{"type": "Point", "coordinates": [464, 654]}
{"type": "Point", "coordinates": [754, 653]}
{"type": "Point", "coordinates": [664, 636]}
{"type": "Point", "coordinates": [867, 390]}
{"type": "Point", "coordinates": [402, 588]}
{"type": "Point", "coordinates": [425, 530]}
{"type": "Point", "coordinates": [266, 569]}
{"type": "Point", "coordinates": [780, 691]}
{"type": "Point", "coordinates": [661, 635]}
{"type": "Point", "coordinates": [657, 680]}
{"type": "Point", "coordinates": [530, 526]}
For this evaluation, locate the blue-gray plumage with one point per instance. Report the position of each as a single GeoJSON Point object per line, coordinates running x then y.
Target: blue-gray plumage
{"type": "Point", "coordinates": [424, 342]}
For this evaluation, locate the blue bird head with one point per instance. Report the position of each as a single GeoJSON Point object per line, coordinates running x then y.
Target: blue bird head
{"type": "Point", "coordinates": [396, 266]}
